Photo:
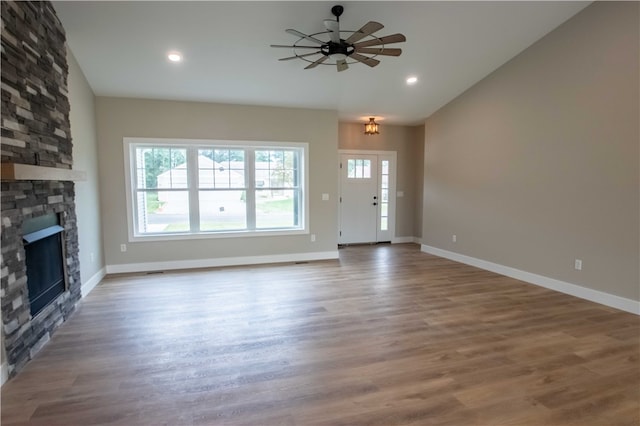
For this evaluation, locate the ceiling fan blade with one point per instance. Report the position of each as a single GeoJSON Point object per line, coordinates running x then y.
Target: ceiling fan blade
{"type": "Point", "coordinates": [316, 63]}
{"type": "Point", "coordinates": [367, 29]}
{"type": "Point", "coordinates": [379, 51]}
{"type": "Point", "coordinates": [299, 56]}
{"type": "Point", "coordinates": [333, 27]}
{"type": "Point", "coordinates": [368, 61]}
{"type": "Point", "coordinates": [393, 38]}
{"type": "Point", "coordinates": [294, 47]}
{"type": "Point", "coordinates": [342, 65]}
{"type": "Point", "coordinates": [307, 37]}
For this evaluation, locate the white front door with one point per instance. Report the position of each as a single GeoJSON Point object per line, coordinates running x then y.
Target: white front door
{"type": "Point", "coordinates": [366, 198]}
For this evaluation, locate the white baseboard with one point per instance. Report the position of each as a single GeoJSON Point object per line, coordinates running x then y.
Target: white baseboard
{"type": "Point", "coordinates": [622, 303]}
{"type": "Point", "coordinates": [223, 261]}
{"type": "Point", "coordinates": [402, 240]}
{"type": "Point", "coordinates": [92, 282]}
{"type": "Point", "coordinates": [5, 373]}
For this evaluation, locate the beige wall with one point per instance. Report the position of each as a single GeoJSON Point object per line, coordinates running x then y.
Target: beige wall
{"type": "Point", "coordinates": [417, 135]}
{"type": "Point", "coordinates": [85, 157]}
{"type": "Point", "coordinates": [538, 164]}
{"type": "Point", "coordinates": [119, 118]}
{"type": "Point", "coordinates": [408, 142]}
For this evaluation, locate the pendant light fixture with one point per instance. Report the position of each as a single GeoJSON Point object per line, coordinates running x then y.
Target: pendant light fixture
{"type": "Point", "coordinates": [371, 128]}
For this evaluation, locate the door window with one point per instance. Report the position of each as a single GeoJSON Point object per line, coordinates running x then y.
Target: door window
{"type": "Point", "coordinates": [358, 168]}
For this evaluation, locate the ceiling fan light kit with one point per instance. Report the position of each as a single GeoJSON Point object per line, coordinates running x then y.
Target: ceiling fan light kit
{"type": "Point", "coordinates": [339, 52]}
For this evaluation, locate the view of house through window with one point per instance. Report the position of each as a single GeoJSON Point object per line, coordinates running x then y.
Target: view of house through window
{"type": "Point", "coordinates": [222, 189]}
{"type": "Point", "coordinates": [195, 189]}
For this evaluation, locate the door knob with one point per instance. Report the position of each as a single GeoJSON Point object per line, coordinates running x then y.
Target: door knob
{"type": "Point", "coordinates": [375, 204]}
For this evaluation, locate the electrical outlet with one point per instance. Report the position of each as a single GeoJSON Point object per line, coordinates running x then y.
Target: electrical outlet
{"type": "Point", "coordinates": [454, 238]}
{"type": "Point", "coordinates": [123, 248]}
{"type": "Point", "coordinates": [578, 265]}
{"type": "Point", "coordinates": [313, 238]}
{"type": "Point", "coordinates": [325, 197]}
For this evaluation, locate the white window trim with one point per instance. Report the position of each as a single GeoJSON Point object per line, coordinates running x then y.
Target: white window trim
{"type": "Point", "coordinates": [129, 142]}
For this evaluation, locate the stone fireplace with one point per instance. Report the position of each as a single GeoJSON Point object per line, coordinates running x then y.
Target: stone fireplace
{"type": "Point", "coordinates": [37, 180]}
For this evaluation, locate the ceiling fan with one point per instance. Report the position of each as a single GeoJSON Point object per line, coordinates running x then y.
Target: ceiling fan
{"type": "Point", "coordinates": [337, 51]}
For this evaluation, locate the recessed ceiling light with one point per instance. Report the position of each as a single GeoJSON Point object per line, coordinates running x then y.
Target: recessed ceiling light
{"type": "Point", "coordinates": [174, 56]}
{"type": "Point", "coordinates": [412, 80]}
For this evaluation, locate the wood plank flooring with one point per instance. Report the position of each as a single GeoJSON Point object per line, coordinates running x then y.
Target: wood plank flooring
{"type": "Point", "coordinates": [387, 335]}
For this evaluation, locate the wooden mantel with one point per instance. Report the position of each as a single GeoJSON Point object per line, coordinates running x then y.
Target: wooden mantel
{"type": "Point", "coordinates": [16, 171]}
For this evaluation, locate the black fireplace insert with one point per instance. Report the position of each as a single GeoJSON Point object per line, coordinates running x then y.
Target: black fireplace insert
{"type": "Point", "coordinates": [45, 265]}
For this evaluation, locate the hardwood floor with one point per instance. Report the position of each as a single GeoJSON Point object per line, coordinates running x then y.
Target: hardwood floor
{"type": "Point", "coordinates": [387, 335]}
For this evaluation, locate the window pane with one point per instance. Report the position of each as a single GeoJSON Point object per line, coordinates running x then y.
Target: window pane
{"type": "Point", "coordinates": [205, 168]}
{"type": "Point", "coordinates": [276, 168]}
{"type": "Point", "coordinates": [222, 210]}
{"type": "Point", "coordinates": [236, 169]}
{"type": "Point", "coordinates": [384, 209]}
{"type": "Point", "coordinates": [161, 168]}
{"type": "Point", "coordinates": [366, 165]}
{"type": "Point", "coordinates": [385, 167]}
{"type": "Point", "coordinates": [289, 160]}
{"type": "Point", "coordinates": [262, 169]}
{"type": "Point", "coordinates": [221, 168]}
{"type": "Point", "coordinates": [351, 168]}
{"type": "Point", "coordinates": [384, 224]}
{"type": "Point", "coordinates": [141, 181]}
{"type": "Point", "coordinates": [163, 211]}
{"type": "Point", "coordinates": [385, 181]}
{"type": "Point", "coordinates": [385, 195]}
{"type": "Point", "coordinates": [277, 208]}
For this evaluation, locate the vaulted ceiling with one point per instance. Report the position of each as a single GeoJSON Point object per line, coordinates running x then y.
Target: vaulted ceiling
{"type": "Point", "coordinates": [122, 47]}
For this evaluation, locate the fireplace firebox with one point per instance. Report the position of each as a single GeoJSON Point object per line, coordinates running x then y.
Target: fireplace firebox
{"type": "Point", "coordinates": [44, 258]}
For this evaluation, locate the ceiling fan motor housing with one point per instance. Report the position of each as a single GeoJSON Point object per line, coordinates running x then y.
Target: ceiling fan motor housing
{"type": "Point", "coordinates": [341, 48]}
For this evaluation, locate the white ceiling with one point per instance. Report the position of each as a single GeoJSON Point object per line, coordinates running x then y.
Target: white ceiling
{"type": "Point", "coordinates": [122, 47]}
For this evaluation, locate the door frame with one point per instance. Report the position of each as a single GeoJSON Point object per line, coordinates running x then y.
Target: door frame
{"type": "Point", "coordinates": [392, 156]}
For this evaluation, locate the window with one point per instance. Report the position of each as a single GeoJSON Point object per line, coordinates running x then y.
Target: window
{"type": "Point", "coordinates": [179, 188]}
{"type": "Point", "coordinates": [358, 169]}
{"type": "Point", "coordinates": [384, 195]}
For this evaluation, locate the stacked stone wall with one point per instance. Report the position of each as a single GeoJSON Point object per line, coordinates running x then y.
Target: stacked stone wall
{"type": "Point", "coordinates": [35, 130]}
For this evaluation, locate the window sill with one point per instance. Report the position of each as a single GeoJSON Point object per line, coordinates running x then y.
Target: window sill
{"type": "Point", "coordinates": [215, 235]}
